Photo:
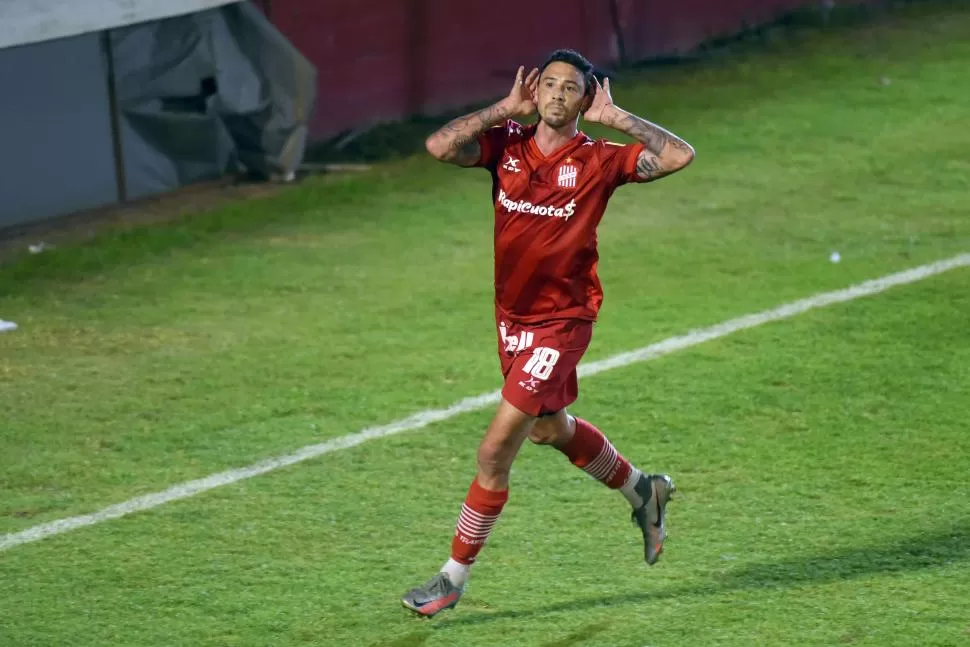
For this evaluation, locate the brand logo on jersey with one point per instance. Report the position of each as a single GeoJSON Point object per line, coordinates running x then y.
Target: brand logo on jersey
{"type": "Point", "coordinates": [515, 342]}
{"type": "Point", "coordinates": [512, 164]}
{"type": "Point", "coordinates": [523, 206]}
{"type": "Point", "coordinates": [530, 385]}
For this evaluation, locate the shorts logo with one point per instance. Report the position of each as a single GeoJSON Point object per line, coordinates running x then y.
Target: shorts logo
{"type": "Point", "coordinates": [515, 342]}
{"type": "Point", "coordinates": [530, 385]}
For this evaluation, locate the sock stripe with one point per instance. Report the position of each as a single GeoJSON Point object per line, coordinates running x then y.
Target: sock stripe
{"type": "Point", "coordinates": [603, 464]}
{"type": "Point", "coordinates": [479, 513]}
{"type": "Point", "coordinates": [474, 529]}
{"type": "Point", "coordinates": [473, 535]}
{"type": "Point", "coordinates": [474, 525]}
{"type": "Point", "coordinates": [474, 514]}
{"type": "Point", "coordinates": [591, 451]}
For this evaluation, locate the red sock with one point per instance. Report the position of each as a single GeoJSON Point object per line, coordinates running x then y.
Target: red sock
{"type": "Point", "coordinates": [590, 450]}
{"type": "Point", "coordinates": [479, 513]}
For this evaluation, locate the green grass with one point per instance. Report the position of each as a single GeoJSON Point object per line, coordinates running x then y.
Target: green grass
{"type": "Point", "coordinates": [822, 460]}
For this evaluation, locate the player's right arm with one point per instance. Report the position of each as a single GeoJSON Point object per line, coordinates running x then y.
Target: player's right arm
{"type": "Point", "coordinates": [457, 141]}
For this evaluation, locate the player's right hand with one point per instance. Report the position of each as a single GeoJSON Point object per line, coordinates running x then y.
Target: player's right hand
{"type": "Point", "coordinates": [521, 101]}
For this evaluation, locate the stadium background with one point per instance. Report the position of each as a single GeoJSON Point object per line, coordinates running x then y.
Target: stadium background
{"type": "Point", "coordinates": [387, 59]}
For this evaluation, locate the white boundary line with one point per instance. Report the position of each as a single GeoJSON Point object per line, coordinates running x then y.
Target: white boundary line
{"type": "Point", "coordinates": [425, 418]}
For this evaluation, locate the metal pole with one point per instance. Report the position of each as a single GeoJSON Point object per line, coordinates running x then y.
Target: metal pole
{"type": "Point", "coordinates": [618, 31]}
{"type": "Point", "coordinates": [120, 179]}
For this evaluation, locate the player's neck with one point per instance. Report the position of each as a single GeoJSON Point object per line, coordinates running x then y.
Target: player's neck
{"type": "Point", "coordinates": [549, 139]}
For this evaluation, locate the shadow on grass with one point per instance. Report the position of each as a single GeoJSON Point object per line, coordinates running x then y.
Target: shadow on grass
{"type": "Point", "coordinates": [418, 638]}
{"type": "Point", "coordinates": [580, 635]}
{"type": "Point", "coordinates": [911, 554]}
{"type": "Point", "coordinates": [415, 639]}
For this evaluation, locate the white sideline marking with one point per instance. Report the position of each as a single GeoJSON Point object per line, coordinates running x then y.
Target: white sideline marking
{"type": "Point", "coordinates": [425, 418]}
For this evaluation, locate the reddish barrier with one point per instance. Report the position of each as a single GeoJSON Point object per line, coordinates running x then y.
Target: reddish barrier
{"type": "Point", "coordinates": [380, 60]}
{"type": "Point", "coordinates": [653, 28]}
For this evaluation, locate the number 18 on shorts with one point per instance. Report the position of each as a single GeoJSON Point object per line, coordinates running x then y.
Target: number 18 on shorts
{"type": "Point", "coordinates": [539, 362]}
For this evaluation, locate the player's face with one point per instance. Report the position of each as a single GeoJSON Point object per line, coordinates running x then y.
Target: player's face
{"type": "Point", "coordinates": [560, 94]}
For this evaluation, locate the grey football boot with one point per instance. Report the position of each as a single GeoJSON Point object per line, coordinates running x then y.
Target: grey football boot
{"type": "Point", "coordinates": [655, 490]}
{"type": "Point", "coordinates": [437, 594]}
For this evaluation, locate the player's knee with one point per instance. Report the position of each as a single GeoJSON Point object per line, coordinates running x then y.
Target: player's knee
{"type": "Point", "coordinates": [548, 430]}
{"type": "Point", "coordinates": [543, 435]}
{"type": "Point", "coordinates": [493, 459]}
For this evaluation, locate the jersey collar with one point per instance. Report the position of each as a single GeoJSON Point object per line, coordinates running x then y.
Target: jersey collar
{"type": "Point", "coordinates": [536, 152]}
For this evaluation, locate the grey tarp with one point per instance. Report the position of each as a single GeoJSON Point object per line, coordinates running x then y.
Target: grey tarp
{"type": "Point", "coordinates": [55, 130]}
{"type": "Point", "coordinates": [202, 94]}
{"type": "Point", "coordinates": [198, 96]}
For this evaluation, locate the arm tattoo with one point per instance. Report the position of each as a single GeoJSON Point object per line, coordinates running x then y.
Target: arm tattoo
{"type": "Point", "coordinates": [461, 134]}
{"type": "Point", "coordinates": [468, 154]}
{"type": "Point", "coordinates": [648, 165]}
{"type": "Point", "coordinates": [653, 137]}
{"type": "Point", "coordinates": [663, 151]}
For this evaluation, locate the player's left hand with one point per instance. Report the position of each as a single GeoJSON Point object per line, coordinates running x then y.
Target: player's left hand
{"type": "Point", "coordinates": [602, 102]}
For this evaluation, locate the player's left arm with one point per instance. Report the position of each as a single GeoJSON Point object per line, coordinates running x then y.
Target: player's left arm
{"type": "Point", "coordinates": [663, 153]}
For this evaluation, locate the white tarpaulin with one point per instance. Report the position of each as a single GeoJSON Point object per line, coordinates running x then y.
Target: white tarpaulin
{"type": "Point", "coordinates": [32, 21]}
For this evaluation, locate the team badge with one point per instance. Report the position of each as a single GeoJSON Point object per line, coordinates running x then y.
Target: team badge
{"type": "Point", "coordinates": [568, 173]}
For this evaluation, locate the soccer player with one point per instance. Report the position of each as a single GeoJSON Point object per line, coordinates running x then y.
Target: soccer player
{"type": "Point", "coordinates": [550, 187]}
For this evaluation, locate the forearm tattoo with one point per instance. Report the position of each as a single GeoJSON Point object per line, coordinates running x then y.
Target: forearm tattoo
{"type": "Point", "coordinates": [461, 134]}
{"type": "Point", "coordinates": [656, 140]}
{"type": "Point", "coordinates": [653, 137]}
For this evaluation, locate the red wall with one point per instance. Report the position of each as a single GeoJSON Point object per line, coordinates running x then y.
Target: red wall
{"type": "Point", "coordinates": [662, 27]}
{"type": "Point", "coordinates": [380, 60]}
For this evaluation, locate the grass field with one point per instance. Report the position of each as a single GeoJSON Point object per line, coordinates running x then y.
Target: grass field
{"type": "Point", "coordinates": [822, 461]}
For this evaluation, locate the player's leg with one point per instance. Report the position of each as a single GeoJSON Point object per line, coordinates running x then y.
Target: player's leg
{"type": "Point", "coordinates": [479, 512]}
{"type": "Point", "coordinates": [489, 490]}
{"type": "Point", "coordinates": [587, 448]}
{"type": "Point", "coordinates": [583, 444]}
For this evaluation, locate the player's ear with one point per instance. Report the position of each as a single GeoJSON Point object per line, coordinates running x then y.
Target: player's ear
{"type": "Point", "coordinates": [590, 95]}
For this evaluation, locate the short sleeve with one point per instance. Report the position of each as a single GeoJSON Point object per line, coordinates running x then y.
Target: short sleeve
{"type": "Point", "coordinates": [619, 162]}
{"type": "Point", "coordinates": [493, 142]}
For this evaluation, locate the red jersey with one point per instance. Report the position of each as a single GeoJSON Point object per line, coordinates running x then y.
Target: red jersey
{"type": "Point", "coordinates": [547, 208]}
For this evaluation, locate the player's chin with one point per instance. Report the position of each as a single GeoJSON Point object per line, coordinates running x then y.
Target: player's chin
{"type": "Point", "coordinates": [556, 119]}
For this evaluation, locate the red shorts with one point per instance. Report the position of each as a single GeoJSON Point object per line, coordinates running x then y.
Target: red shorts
{"type": "Point", "coordinates": [539, 362]}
